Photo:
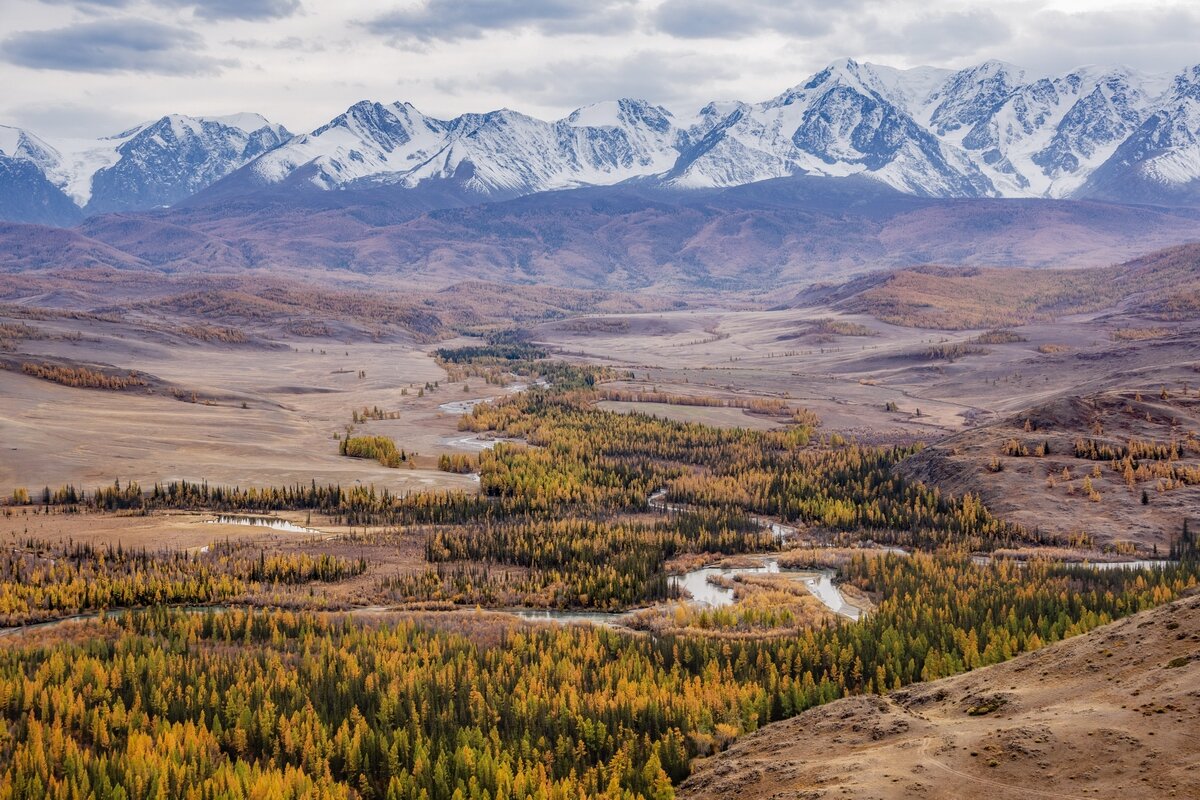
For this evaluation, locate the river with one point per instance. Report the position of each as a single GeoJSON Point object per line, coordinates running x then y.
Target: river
{"type": "Point", "coordinates": [818, 581]}
{"type": "Point", "coordinates": [274, 523]}
{"type": "Point", "coordinates": [466, 406]}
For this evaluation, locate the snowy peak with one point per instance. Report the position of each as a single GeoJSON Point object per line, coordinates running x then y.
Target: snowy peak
{"type": "Point", "coordinates": [845, 73]}
{"type": "Point", "coordinates": [971, 95]}
{"type": "Point", "coordinates": [152, 164]}
{"type": "Point", "coordinates": [625, 114]}
{"type": "Point", "coordinates": [176, 156]}
{"type": "Point", "coordinates": [508, 152]}
{"type": "Point", "coordinates": [248, 123]}
{"type": "Point", "coordinates": [987, 130]}
{"type": "Point", "coordinates": [841, 121]}
{"type": "Point", "coordinates": [368, 139]}
{"type": "Point", "coordinates": [1160, 160]}
{"type": "Point", "coordinates": [501, 152]}
{"type": "Point", "coordinates": [21, 144]}
{"type": "Point", "coordinates": [909, 88]}
{"type": "Point", "coordinates": [1099, 111]}
{"type": "Point", "coordinates": [386, 127]}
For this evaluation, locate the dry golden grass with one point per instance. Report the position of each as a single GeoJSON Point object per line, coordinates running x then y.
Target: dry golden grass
{"type": "Point", "coordinates": [948, 299]}
{"type": "Point", "coordinates": [1139, 334]}
{"type": "Point", "coordinates": [1104, 715]}
{"type": "Point", "coordinates": [1164, 285]}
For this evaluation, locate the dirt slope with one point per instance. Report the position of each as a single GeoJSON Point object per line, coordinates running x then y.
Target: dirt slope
{"type": "Point", "coordinates": [1048, 491]}
{"type": "Point", "coordinates": [1111, 713]}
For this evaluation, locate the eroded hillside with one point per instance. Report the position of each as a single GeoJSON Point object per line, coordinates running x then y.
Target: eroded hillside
{"type": "Point", "coordinates": [1102, 715]}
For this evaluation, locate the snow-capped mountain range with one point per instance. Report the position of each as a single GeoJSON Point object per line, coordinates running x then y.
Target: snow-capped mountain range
{"type": "Point", "coordinates": [992, 130]}
{"type": "Point", "coordinates": [154, 164]}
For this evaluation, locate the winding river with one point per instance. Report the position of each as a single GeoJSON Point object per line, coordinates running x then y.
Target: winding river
{"type": "Point", "coordinates": [696, 584]}
{"type": "Point", "coordinates": [466, 406]}
{"type": "Point", "coordinates": [819, 582]}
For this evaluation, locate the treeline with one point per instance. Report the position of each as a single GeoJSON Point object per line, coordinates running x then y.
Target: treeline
{"type": "Point", "coordinates": [608, 459]}
{"type": "Point", "coordinates": [214, 333]}
{"type": "Point", "coordinates": [82, 377]}
{"type": "Point", "coordinates": [13, 332]}
{"type": "Point", "coordinates": [1139, 334]}
{"type": "Point", "coordinates": [490, 353]}
{"type": "Point", "coordinates": [1185, 547]}
{"type": "Point", "coordinates": [354, 505]}
{"type": "Point", "coordinates": [842, 327]}
{"type": "Point", "coordinates": [460, 463]}
{"type": "Point", "coordinates": [1141, 461]}
{"type": "Point", "coordinates": [999, 336]}
{"type": "Point", "coordinates": [759, 405]}
{"type": "Point", "coordinates": [495, 361]}
{"type": "Point", "coordinates": [582, 460]}
{"type": "Point", "coordinates": [373, 413]}
{"type": "Point", "coordinates": [376, 448]}
{"type": "Point", "coordinates": [766, 605]}
{"type": "Point", "coordinates": [952, 351]}
{"type": "Point", "coordinates": [1018, 449]}
{"type": "Point", "coordinates": [167, 703]}
{"type": "Point", "coordinates": [855, 490]}
{"type": "Point", "coordinates": [1134, 449]}
{"type": "Point", "coordinates": [40, 580]}
{"type": "Point", "coordinates": [594, 564]}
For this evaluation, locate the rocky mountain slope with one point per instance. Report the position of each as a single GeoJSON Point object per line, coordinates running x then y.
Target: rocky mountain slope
{"type": "Point", "coordinates": [155, 164]}
{"type": "Point", "coordinates": [986, 131]}
{"type": "Point", "coordinates": [26, 195]}
{"type": "Point", "coordinates": [764, 236]}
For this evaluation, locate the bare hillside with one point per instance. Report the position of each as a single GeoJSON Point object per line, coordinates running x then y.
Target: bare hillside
{"type": "Point", "coordinates": [1111, 714]}
{"type": "Point", "coordinates": [1163, 285]}
{"type": "Point", "coordinates": [1116, 469]}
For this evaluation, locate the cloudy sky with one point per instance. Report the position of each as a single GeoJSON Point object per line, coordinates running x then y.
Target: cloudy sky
{"type": "Point", "coordinates": [92, 68]}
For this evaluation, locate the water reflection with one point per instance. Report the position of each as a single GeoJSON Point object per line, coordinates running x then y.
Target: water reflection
{"type": "Point", "coordinates": [274, 523]}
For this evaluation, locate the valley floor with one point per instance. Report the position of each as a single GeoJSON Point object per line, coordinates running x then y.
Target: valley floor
{"type": "Point", "coordinates": [807, 429]}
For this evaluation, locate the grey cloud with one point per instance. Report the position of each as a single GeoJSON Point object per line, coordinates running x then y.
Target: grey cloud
{"type": "Point", "coordinates": [118, 45]}
{"type": "Point", "coordinates": [89, 6]}
{"type": "Point", "coordinates": [1151, 39]}
{"type": "Point", "coordinates": [450, 20]}
{"type": "Point", "coordinates": [290, 43]}
{"type": "Point", "coordinates": [241, 9]}
{"type": "Point", "coordinates": [1101, 29]}
{"type": "Point", "coordinates": [211, 10]}
{"type": "Point", "coordinates": [936, 37]}
{"type": "Point", "coordinates": [691, 19]}
{"type": "Point", "coordinates": [70, 119]}
{"type": "Point", "coordinates": [666, 78]}
{"type": "Point", "coordinates": [712, 19]}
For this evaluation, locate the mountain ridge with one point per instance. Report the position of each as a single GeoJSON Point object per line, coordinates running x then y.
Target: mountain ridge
{"type": "Point", "coordinates": [989, 130]}
{"type": "Point", "coordinates": [760, 237]}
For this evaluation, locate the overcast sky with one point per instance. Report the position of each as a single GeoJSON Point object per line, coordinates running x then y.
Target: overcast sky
{"type": "Point", "coordinates": [93, 68]}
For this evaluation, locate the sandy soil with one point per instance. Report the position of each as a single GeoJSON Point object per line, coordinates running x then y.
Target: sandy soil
{"type": "Point", "coordinates": [1111, 714]}
{"type": "Point", "coordinates": [296, 397]}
